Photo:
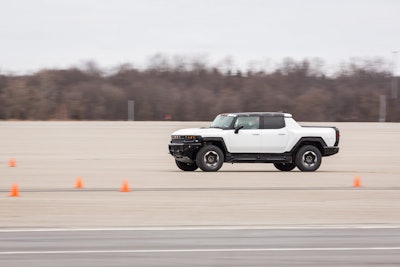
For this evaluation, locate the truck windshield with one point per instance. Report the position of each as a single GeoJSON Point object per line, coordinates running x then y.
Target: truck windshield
{"type": "Point", "coordinates": [222, 121]}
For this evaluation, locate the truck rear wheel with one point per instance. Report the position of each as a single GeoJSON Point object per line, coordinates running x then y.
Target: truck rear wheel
{"type": "Point", "coordinates": [308, 158]}
{"type": "Point", "coordinates": [285, 167]}
{"type": "Point", "coordinates": [210, 158]}
{"type": "Point", "coordinates": [186, 166]}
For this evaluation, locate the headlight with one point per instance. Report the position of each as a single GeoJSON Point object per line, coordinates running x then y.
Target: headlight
{"type": "Point", "coordinates": [183, 138]}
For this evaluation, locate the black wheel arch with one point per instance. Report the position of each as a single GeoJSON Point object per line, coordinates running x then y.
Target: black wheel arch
{"type": "Point", "coordinates": [318, 142]}
{"type": "Point", "coordinates": [217, 141]}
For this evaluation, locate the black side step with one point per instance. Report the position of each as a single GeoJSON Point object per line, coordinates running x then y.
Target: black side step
{"type": "Point", "coordinates": [259, 158]}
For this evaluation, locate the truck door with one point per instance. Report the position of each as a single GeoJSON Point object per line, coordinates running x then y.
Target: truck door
{"type": "Point", "coordinates": [248, 139]}
{"type": "Point", "coordinates": [274, 135]}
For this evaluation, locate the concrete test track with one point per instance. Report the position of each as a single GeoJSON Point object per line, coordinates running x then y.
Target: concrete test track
{"type": "Point", "coordinates": [51, 155]}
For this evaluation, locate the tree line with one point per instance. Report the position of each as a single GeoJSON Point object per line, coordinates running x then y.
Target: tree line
{"type": "Point", "coordinates": [194, 91]}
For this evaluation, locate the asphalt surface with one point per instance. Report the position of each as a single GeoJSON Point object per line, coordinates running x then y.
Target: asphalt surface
{"type": "Point", "coordinates": [201, 247]}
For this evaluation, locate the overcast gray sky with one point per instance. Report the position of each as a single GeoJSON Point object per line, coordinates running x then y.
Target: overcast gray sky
{"type": "Point", "coordinates": [62, 33]}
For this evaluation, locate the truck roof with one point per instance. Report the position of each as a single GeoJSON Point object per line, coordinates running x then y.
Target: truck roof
{"type": "Point", "coordinates": [272, 114]}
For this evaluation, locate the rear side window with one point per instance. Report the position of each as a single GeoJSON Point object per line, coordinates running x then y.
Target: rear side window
{"type": "Point", "coordinates": [272, 122]}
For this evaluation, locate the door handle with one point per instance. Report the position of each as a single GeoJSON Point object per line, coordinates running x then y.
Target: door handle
{"type": "Point", "coordinates": [255, 134]}
{"type": "Point", "coordinates": [281, 134]}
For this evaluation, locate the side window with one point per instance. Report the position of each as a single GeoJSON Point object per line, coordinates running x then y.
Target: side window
{"type": "Point", "coordinates": [248, 122]}
{"type": "Point", "coordinates": [271, 122]}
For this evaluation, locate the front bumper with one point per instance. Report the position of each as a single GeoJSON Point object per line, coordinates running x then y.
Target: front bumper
{"type": "Point", "coordinates": [184, 152]}
{"type": "Point", "coordinates": [331, 150]}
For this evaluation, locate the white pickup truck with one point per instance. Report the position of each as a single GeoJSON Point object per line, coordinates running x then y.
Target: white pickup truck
{"type": "Point", "coordinates": [254, 137]}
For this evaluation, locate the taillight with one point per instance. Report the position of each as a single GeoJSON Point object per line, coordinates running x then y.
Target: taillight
{"type": "Point", "coordinates": [337, 136]}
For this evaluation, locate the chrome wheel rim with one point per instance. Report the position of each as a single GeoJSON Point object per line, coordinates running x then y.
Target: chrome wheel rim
{"type": "Point", "coordinates": [310, 158]}
{"type": "Point", "coordinates": [211, 158]}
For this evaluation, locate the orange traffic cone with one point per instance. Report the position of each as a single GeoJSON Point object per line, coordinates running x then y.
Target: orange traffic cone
{"type": "Point", "coordinates": [125, 187]}
{"type": "Point", "coordinates": [14, 191]}
{"type": "Point", "coordinates": [79, 182]}
{"type": "Point", "coordinates": [357, 181]}
{"type": "Point", "coordinates": [12, 163]}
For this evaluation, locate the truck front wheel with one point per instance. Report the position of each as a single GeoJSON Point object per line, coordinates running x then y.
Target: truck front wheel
{"type": "Point", "coordinates": [308, 158]}
{"type": "Point", "coordinates": [210, 158]}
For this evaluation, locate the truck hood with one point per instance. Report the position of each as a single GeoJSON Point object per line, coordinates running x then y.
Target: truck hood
{"type": "Point", "coordinates": [197, 131]}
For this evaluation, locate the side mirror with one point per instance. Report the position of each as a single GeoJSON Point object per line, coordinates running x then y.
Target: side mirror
{"type": "Point", "coordinates": [238, 128]}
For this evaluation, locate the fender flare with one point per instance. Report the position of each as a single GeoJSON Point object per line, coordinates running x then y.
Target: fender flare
{"type": "Point", "coordinates": [309, 141]}
{"type": "Point", "coordinates": [218, 140]}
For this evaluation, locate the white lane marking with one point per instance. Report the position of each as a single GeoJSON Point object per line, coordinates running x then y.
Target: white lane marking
{"type": "Point", "coordinates": [192, 250]}
{"type": "Point", "coordinates": [194, 228]}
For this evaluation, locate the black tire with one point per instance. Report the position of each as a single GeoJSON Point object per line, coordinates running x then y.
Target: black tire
{"type": "Point", "coordinates": [187, 167]}
{"type": "Point", "coordinates": [308, 158]}
{"type": "Point", "coordinates": [210, 158]}
{"type": "Point", "coordinates": [285, 167]}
